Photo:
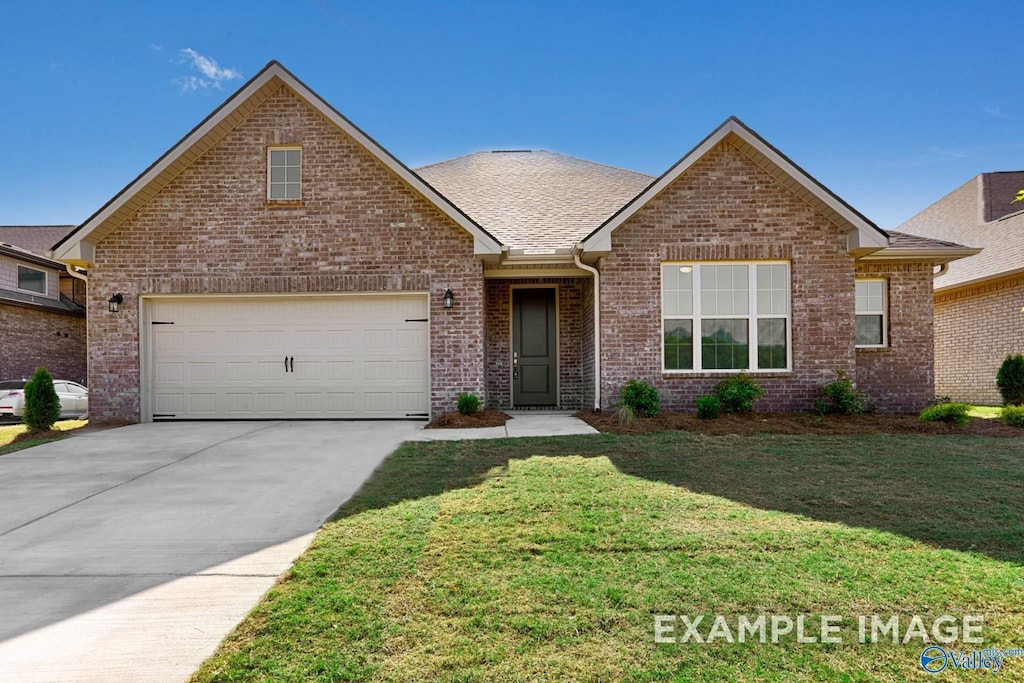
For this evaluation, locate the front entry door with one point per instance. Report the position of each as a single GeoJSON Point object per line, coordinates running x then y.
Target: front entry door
{"type": "Point", "coordinates": [534, 348]}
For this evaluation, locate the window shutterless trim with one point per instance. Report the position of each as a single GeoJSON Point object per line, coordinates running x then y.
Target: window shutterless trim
{"type": "Point", "coordinates": [283, 148]}
{"type": "Point", "coordinates": [884, 313]}
{"type": "Point", "coordinates": [752, 317]}
{"type": "Point", "coordinates": [46, 281]}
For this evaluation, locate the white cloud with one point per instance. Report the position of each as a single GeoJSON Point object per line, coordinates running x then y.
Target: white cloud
{"type": "Point", "coordinates": [995, 111]}
{"type": "Point", "coordinates": [213, 75]}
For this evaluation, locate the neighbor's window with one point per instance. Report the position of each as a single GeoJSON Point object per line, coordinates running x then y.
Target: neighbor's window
{"type": "Point", "coordinates": [32, 280]}
{"type": "Point", "coordinates": [284, 173]}
{"type": "Point", "coordinates": [871, 313]}
{"type": "Point", "coordinates": [739, 312]}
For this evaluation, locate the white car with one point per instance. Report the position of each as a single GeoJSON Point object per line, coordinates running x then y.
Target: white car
{"type": "Point", "coordinates": [74, 398]}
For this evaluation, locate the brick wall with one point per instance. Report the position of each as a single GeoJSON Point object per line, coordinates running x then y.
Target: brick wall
{"type": "Point", "coordinates": [34, 338]}
{"type": "Point", "coordinates": [725, 207]}
{"type": "Point", "coordinates": [570, 343]}
{"type": "Point", "coordinates": [975, 329]}
{"type": "Point", "coordinates": [900, 378]}
{"type": "Point", "coordinates": [358, 228]}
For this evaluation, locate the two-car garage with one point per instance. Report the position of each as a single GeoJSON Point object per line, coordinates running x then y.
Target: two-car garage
{"type": "Point", "coordinates": [276, 357]}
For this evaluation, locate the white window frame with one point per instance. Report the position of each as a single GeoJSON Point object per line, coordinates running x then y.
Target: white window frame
{"type": "Point", "coordinates": [752, 316]}
{"type": "Point", "coordinates": [46, 281]}
{"type": "Point", "coordinates": [884, 313]}
{"type": "Point", "coordinates": [283, 148]}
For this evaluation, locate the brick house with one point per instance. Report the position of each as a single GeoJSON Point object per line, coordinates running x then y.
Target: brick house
{"type": "Point", "coordinates": [979, 301]}
{"type": "Point", "coordinates": [278, 262]}
{"type": "Point", "coordinates": [42, 311]}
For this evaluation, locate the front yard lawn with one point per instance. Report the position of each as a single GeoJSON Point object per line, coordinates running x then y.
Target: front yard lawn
{"type": "Point", "coordinates": [548, 559]}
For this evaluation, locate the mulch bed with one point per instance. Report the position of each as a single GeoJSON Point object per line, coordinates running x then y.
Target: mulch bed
{"type": "Point", "coordinates": [482, 418]}
{"type": "Point", "coordinates": [34, 436]}
{"type": "Point", "coordinates": [794, 423]}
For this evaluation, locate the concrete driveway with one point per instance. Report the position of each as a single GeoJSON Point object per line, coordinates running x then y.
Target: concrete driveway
{"type": "Point", "coordinates": [128, 554]}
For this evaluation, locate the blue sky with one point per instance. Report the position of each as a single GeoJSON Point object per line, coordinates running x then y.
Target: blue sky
{"type": "Point", "coordinates": [890, 104]}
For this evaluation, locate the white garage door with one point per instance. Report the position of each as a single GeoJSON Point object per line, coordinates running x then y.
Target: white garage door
{"type": "Point", "coordinates": [352, 356]}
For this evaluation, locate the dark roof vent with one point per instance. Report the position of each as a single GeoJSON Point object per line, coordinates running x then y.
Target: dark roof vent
{"type": "Point", "coordinates": [511, 151]}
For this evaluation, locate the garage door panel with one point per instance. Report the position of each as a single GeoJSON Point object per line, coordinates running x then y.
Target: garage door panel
{"type": "Point", "coordinates": [352, 356]}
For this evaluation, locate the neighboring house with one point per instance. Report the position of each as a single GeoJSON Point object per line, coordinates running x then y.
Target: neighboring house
{"type": "Point", "coordinates": [42, 307]}
{"type": "Point", "coordinates": [979, 301]}
{"type": "Point", "coordinates": [278, 262]}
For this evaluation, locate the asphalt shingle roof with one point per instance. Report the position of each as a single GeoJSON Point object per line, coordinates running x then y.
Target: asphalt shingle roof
{"type": "Point", "coordinates": [902, 240]}
{"type": "Point", "coordinates": [35, 238]}
{"type": "Point", "coordinates": [960, 217]}
{"type": "Point", "coordinates": [537, 201]}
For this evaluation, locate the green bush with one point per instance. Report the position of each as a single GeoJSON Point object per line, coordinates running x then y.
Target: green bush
{"type": "Point", "coordinates": [42, 406]}
{"type": "Point", "coordinates": [1013, 416]}
{"type": "Point", "coordinates": [708, 407]}
{"type": "Point", "coordinates": [947, 412]}
{"type": "Point", "coordinates": [842, 398]}
{"type": "Point", "coordinates": [1010, 380]}
{"type": "Point", "coordinates": [641, 398]}
{"type": "Point", "coordinates": [469, 404]}
{"type": "Point", "coordinates": [738, 393]}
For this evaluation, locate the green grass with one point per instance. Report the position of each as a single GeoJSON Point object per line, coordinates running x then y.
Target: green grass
{"type": "Point", "coordinates": [986, 412]}
{"type": "Point", "coordinates": [546, 560]}
{"type": "Point", "coordinates": [8, 432]}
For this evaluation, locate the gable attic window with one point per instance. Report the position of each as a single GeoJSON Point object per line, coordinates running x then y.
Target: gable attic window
{"type": "Point", "coordinates": [31, 280]}
{"type": "Point", "coordinates": [871, 307]}
{"type": "Point", "coordinates": [284, 173]}
{"type": "Point", "coordinates": [725, 316]}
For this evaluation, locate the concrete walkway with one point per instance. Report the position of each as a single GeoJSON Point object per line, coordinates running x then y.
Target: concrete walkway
{"type": "Point", "coordinates": [523, 423]}
{"type": "Point", "coordinates": [128, 554]}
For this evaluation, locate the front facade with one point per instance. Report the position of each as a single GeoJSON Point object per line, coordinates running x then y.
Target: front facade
{"type": "Point", "coordinates": [278, 263]}
{"type": "Point", "coordinates": [42, 313]}
{"type": "Point", "coordinates": [979, 301]}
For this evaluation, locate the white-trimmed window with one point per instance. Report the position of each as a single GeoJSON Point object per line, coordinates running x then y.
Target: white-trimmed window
{"type": "Point", "coordinates": [872, 318]}
{"type": "Point", "coordinates": [739, 312]}
{"type": "Point", "coordinates": [31, 280]}
{"type": "Point", "coordinates": [284, 173]}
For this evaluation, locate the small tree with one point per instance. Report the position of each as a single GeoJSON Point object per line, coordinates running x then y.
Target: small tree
{"type": "Point", "coordinates": [1010, 380]}
{"type": "Point", "coordinates": [42, 406]}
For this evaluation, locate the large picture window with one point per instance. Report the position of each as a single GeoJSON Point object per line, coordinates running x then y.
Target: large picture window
{"type": "Point", "coordinates": [871, 313]}
{"type": "Point", "coordinates": [725, 316]}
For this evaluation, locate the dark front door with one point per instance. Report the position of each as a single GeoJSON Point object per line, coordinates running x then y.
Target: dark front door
{"type": "Point", "coordinates": [534, 349]}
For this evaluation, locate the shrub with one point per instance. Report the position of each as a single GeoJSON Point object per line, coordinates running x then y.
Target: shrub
{"type": "Point", "coordinates": [625, 415]}
{"type": "Point", "coordinates": [940, 399]}
{"type": "Point", "coordinates": [947, 412]}
{"type": "Point", "coordinates": [1013, 416]}
{"type": "Point", "coordinates": [469, 404]}
{"type": "Point", "coordinates": [641, 398]}
{"type": "Point", "coordinates": [1010, 380]}
{"type": "Point", "coordinates": [42, 407]}
{"type": "Point", "coordinates": [738, 393]}
{"type": "Point", "coordinates": [842, 398]}
{"type": "Point", "coordinates": [708, 407]}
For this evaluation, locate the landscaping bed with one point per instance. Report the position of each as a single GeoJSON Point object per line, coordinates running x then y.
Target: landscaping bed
{"type": "Point", "coordinates": [482, 418]}
{"type": "Point", "coordinates": [793, 423]}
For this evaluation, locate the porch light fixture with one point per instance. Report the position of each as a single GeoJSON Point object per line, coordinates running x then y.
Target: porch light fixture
{"type": "Point", "coordinates": [449, 298]}
{"type": "Point", "coordinates": [114, 303]}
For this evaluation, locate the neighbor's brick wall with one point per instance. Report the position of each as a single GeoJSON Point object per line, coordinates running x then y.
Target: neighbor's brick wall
{"type": "Point", "coordinates": [975, 329]}
{"type": "Point", "coordinates": [725, 207]}
{"type": "Point", "coordinates": [34, 338]}
{"type": "Point", "coordinates": [570, 345]}
{"type": "Point", "coordinates": [358, 228]}
{"type": "Point", "coordinates": [900, 378]}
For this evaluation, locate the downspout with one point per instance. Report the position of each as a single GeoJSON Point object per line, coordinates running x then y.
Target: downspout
{"type": "Point", "coordinates": [943, 267]}
{"type": "Point", "coordinates": [597, 323]}
{"type": "Point", "coordinates": [75, 274]}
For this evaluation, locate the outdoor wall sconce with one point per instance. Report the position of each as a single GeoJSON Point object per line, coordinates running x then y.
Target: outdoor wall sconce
{"type": "Point", "coordinates": [114, 303]}
{"type": "Point", "coordinates": [449, 298]}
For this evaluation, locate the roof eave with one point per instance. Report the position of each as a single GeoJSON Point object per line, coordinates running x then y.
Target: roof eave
{"type": "Point", "coordinates": [937, 256]}
{"type": "Point", "coordinates": [976, 281]}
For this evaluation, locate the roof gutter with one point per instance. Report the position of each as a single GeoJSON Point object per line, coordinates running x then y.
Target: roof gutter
{"type": "Point", "coordinates": [597, 322]}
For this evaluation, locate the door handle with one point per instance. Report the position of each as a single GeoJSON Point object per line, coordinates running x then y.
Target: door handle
{"type": "Point", "coordinates": [286, 363]}
{"type": "Point", "coordinates": [515, 365]}
{"type": "Point", "coordinates": [293, 363]}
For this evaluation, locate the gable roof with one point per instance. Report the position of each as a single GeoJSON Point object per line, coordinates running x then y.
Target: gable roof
{"type": "Point", "coordinates": [77, 247]}
{"type": "Point", "coordinates": [863, 235]}
{"type": "Point", "coordinates": [535, 201]}
{"type": "Point", "coordinates": [35, 238]}
{"type": "Point", "coordinates": [962, 216]}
